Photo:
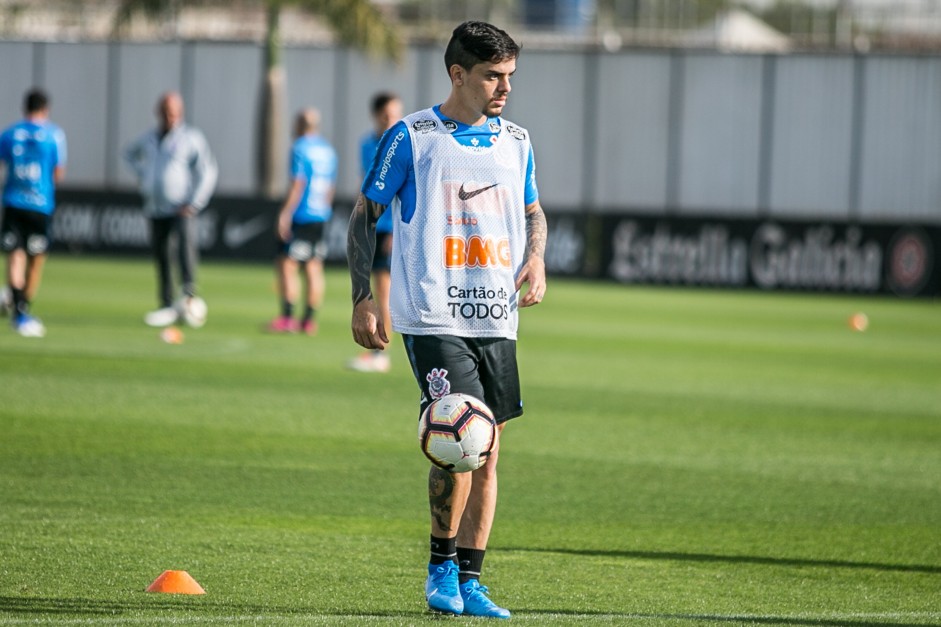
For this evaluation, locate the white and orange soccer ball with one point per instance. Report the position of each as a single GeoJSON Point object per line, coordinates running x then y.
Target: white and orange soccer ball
{"type": "Point", "coordinates": [457, 432]}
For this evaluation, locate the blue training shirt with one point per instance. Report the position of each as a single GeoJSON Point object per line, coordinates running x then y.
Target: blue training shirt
{"type": "Point", "coordinates": [367, 151]}
{"type": "Point", "coordinates": [393, 172]}
{"type": "Point", "coordinates": [32, 151]}
{"type": "Point", "coordinates": [314, 160]}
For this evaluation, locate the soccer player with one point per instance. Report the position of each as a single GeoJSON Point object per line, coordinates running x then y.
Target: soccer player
{"type": "Point", "coordinates": [34, 153]}
{"type": "Point", "coordinates": [468, 233]}
{"type": "Point", "coordinates": [177, 174]}
{"type": "Point", "coordinates": [301, 224]}
{"type": "Point", "coordinates": [386, 110]}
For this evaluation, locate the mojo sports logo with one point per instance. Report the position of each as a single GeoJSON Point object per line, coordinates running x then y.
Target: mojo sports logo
{"type": "Point", "coordinates": [387, 161]}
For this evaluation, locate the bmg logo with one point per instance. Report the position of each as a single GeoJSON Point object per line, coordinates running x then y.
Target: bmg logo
{"type": "Point", "coordinates": [476, 252]}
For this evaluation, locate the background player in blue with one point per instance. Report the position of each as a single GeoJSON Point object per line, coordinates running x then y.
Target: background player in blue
{"type": "Point", "coordinates": [34, 153]}
{"type": "Point", "coordinates": [301, 224]}
{"type": "Point", "coordinates": [469, 232]}
{"type": "Point", "coordinates": [386, 110]}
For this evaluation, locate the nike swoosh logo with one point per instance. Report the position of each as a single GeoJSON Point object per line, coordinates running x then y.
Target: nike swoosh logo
{"type": "Point", "coordinates": [236, 235]}
{"type": "Point", "coordinates": [466, 195]}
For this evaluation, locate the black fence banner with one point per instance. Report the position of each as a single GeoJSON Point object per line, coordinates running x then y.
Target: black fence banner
{"type": "Point", "coordinates": [802, 255]}
{"type": "Point", "coordinates": [773, 255]}
{"type": "Point", "coordinates": [229, 228]}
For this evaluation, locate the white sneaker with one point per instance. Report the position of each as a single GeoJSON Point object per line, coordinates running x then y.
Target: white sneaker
{"type": "Point", "coordinates": [161, 317]}
{"type": "Point", "coordinates": [370, 362]}
{"type": "Point", "coordinates": [28, 326]}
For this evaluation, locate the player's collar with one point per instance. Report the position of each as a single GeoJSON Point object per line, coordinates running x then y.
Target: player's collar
{"type": "Point", "coordinates": [492, 124]}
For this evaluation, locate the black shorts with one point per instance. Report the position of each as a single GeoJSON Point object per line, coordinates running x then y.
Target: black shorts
{"type": "Point", "coordinates": [382, 259]}
{"type": "Point", "coordinates": [307, 242]}
{"type": "Point", "coordinates": [482, 367]}
{"type": "Point", "coordinates": [25, 230]}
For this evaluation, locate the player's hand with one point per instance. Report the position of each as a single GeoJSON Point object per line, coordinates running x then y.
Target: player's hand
{"type": "Point", "coordinates": [187, 211]}
{"type": "Point", "coordinates": [368, 329]}
{"type": "Point", "coordinates": [284, 228]}
{"type": "Point", "coordinates": [533, 273]}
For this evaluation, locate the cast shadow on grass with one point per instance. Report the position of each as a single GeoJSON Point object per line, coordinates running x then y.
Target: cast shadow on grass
{"type": "Point", "coordinates": [718, 618]}
{"type": "Point", "coordinates": [46, 605]}
{"type": "Point", "coordinates": [174, 603]}
{"type": "Point", "coordinates": [736, 559]}
{"type": "Point", "coordinates": [180, 605]}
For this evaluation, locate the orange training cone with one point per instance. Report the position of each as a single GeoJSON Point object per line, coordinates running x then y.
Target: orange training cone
{"type": "Point", "coordinates": [176, 582]}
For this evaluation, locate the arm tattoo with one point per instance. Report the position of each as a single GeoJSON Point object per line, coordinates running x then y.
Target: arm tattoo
{"type": "Point", "coordinates": [361, 245]}
{"type": "Point", "coordinates": [536, 233]}
{"type": "Point", "coordinates": [440, 488]}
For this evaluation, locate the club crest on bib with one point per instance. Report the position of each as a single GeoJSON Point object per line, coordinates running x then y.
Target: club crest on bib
{"type": "Point", "coordinates": [424, 126]}
{"type": "Point", "coordinates": [438, 384]}
{"type": "Point", "coordinates": [516, 132]}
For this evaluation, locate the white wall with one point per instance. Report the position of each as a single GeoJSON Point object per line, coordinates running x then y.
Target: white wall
{"type": "Point", "coordinates": [679, 132]}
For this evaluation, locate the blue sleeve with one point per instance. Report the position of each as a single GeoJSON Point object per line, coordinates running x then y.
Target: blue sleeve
{"type": "Point", "coordinates": [61, 147]}
{"type": "Point", "coordinates": [298, 164]}
{"type": "Point", "coordinates": [530, 191]}
{"type": "Point", "coordinates": [390, 166]}
{"type": "Point", "coordinates": [322, 160]}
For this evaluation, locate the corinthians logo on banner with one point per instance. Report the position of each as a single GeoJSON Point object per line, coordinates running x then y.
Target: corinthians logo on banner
{"type": "Point", "coordinates": [910, 261]}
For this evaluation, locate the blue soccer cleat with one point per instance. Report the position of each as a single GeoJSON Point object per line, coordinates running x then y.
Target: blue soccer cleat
{"type": "Point", "coordinates": [441, 588]}
{"type": "Point", "coordinates": [28, 326]}
{"type": "Point", "coordinates": [476, 602]}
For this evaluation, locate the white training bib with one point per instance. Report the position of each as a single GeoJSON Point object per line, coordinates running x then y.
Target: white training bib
{"type": "Point", "coordinates": [455, 262]}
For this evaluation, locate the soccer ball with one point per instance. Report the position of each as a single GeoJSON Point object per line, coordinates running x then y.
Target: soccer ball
{"type": "Point", "coordinates": [456, 432]}
{"type": "Point", "coordinates": [193, 310]}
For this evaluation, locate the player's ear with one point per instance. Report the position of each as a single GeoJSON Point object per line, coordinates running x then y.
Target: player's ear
{"type": "Point", "coordinates": [457, 74]}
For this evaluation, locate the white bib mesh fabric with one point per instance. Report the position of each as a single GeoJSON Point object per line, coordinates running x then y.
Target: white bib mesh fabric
{"type": "Point", "coordinates": [455, 262]}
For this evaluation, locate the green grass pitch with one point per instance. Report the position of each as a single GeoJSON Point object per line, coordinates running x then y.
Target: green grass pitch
{"type": "Point", "coordinates": [687, 457]}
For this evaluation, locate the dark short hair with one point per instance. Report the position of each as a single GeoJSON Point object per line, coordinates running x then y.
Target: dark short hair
{"type": "Point", "coordinates": [36, 100]}
{"type": "Point", "coordinates": [380, 100]}
{"type": "Point", "coordinates": [479, 42]}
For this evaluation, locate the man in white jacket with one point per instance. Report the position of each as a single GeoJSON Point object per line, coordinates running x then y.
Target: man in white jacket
{"type": "Point", "coordinates": [177, 174]}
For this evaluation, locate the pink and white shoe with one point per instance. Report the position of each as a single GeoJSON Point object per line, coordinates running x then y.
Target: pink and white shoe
{"type": "Point", "coordinates": [370, 362]}
{"type": "Point", "coordinates": [283, 324]}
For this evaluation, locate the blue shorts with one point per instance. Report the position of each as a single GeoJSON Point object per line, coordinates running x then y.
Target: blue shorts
{"type": "Point", "coordinates": [483, 367]}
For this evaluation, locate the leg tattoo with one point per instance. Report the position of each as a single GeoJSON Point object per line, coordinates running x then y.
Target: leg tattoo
{"type": "Point", "coordinates": [440, 489]}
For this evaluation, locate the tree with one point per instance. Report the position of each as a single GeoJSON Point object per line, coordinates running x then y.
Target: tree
{"type": "Point", "coordinates": [356, 23]}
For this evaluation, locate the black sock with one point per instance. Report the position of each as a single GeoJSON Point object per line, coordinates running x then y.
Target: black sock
{"type": "Point", "coordinates": [470, 562]}
{"type": "Point", "coordinates": [20, 304]}
{"type": "Point", "coordinates": [309, 313]}
{"type": "Point", "coordinates": [442, 550]}
{"type": "Point", "coordinates": [287, 309]}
